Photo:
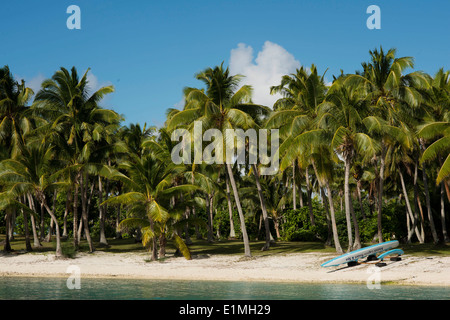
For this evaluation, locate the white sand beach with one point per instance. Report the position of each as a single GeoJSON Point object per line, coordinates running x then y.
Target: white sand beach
{"type": "Point", "coordinates": [293, 267]}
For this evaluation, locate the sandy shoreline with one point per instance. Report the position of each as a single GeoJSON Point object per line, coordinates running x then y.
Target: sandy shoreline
{"type": "Point", "coordinates": [294, 267]}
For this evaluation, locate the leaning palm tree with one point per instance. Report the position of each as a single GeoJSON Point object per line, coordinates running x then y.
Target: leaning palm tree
{"type": "Point", "coordinates": [223, 105]}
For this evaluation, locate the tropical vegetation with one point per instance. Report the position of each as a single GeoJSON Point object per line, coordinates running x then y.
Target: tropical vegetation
{"type": "Point", "coordinates": [363, 159]}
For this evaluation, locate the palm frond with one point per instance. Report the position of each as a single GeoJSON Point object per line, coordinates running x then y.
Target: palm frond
{"type": "Point", "coordinates": [181, 245]}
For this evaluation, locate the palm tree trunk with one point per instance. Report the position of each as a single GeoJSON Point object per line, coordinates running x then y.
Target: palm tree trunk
{"type": "Point", "coordinates": [25, 226]}
{"type": "Point", "coordinates": [417, 204]}
{"type": "Point", "coordinates": [31, 205]}
{"type": "Point", "coordinates": [409, 210]}
{"type": "Point", "coordinates": [210, 218]}
{"type": "Point", "coordinates": [12, 223]}
{"type": "Point", "coordinates": [300, 196]}
{"type": "Point", "coordinates": [347, 204]}
{"type": "Point", "coordinates": [427, 196]}
{"type": "Point", "coordinates": [428, 203]}
{"type": "Point", "coordinates": [41, 231]}
{"type": "Point", "coordinates": [276, 224]}
{"type": "Point", "coordinates": [333, 219]}
{"type": "Point", "coordinates": [7, 244]}
{"type": "Point", "coordinates": [247, 252]}
{"type": "Point", "coordinates": [422, 232]}
{"type": "Point", "coordinates": [58, 238]}
{"type": "Point", "coordinates": [66, 213]}
{"type": "Point", "coordinates": [358, 191]}
{"type": "Point", "coordinates": [444, 229]}
{"type": "Point", "coordinates": [102, 212]}
{"type": "Point", "coordinates": [294, 193]}
{"type": "Point", "coordinates": [154, 255]}
{"type": "Point", "coordinates": [50, 230]}
{"type": "Point", "coordinates": [80, 230]}
{"type": "Point", "coordinates": [263, 208]}
{"type": "Point", "coordinates": [118, 232]}
{"type": "Point", "coordinates": [230, 209]}
{"type": "Point", "coordinates": [327, 213]}
{"type": "Point", "coordinates": [187, 237]}
{"type": "Point", "coordinates": [357, 243]}
{"type": "Point", "coordinates": [309, 190]}
{"type": "Point", "coordinates": [118, 209]}
{"type": "Point", "coordinates": [27, 232]}
{"type": "Point", "coordinates": [48, 238]}
{"type": "Point", "coordinates": [84, 212]}
{"type": "Point", "coordinates": [380, 194]}
{"type": "Point", "coordinates": [75, 218]}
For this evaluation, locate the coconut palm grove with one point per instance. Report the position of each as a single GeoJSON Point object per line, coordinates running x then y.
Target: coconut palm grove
{"type": "Point", "coordinates": [364, 159]}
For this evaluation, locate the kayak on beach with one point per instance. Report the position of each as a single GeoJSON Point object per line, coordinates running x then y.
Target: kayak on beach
{"type": "Point", "coordinates": [352, 257]}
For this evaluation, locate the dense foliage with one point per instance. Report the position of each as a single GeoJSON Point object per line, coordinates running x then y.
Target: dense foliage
{"type": "Point", "coordinates": [361, 160]}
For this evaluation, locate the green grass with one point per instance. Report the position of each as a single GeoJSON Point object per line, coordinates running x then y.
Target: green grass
{"type": "Point", "coordinates": [230, 247]}
{"type": "Point", "coordinates": [201, 247]}
{"type": "Point", "coordinates": [426, 249]}
{"type": "Point", "coordinates": [116, 246]}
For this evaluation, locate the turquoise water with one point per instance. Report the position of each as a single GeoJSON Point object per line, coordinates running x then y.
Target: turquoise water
{"type": "Point", "coordinates": [125, 289]}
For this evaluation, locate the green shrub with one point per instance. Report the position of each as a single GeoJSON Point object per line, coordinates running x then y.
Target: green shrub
{"type": "Point", "coordinates": [297, 225]}
{"type": "Point", "coordinates": [393, 223]}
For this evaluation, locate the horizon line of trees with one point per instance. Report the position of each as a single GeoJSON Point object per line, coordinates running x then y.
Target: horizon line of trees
{"type": "Point", "coordinates": [364, 159]}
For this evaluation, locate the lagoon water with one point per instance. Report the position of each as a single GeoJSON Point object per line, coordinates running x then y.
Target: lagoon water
{"type": "Point", "coordinates": [16, 288]}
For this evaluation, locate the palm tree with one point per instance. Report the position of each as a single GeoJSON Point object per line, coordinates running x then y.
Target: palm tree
{"type": "Point", "coordinates": [437, 123]}
{"type": "Point", "coordinates": [13, 100]}
{"type": "Point", "coordinates": [73, 111]}
{"type": "Point", "coordinates": [13, 104]}
{"type": "Point", "coordinates": [437, 150]}
{"type": "Point", "coordinates": [33, 173]}
{"type": "Point", "coordinates": [296, 114]}
{"type": "Point", "coordinates": [343, 115]}
{"type": "Point", "coordinates": [223, 106]}
{"type": "Point", "coordinates": [149, 182]}
{"type": "Point", "coordinates": [387, 89]}
{"type": "Point", "coordinates": [434, 129]}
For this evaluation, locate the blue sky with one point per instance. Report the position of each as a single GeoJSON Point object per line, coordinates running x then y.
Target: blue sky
{"type": "Point", "coordinates": [149, 50]}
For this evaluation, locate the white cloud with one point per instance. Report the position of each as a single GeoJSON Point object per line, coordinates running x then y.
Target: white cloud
{"type": "Point", "coordinates": [94, 84]}
{"type": "Point", "coordinates": [271, 63]}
